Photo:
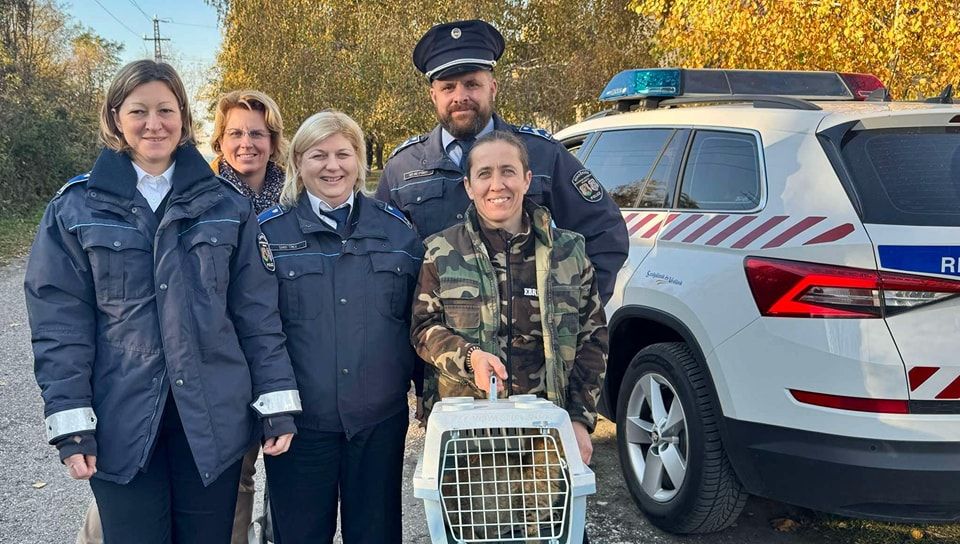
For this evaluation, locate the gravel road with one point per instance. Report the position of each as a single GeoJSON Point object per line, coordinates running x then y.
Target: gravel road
{"type": "Point", "coordinates": [40, 504]}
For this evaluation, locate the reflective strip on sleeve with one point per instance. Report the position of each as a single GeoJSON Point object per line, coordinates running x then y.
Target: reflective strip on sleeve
{"type": "Point", "coordinates": [278, 402]}
{"type": "Point", "coordinates": [70, 422]}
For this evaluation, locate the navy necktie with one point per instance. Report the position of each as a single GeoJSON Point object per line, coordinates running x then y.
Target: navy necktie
{"type": "Point", "coordinates": [340, 216]}
{"type": "Point", "coordinates": [465, 145]}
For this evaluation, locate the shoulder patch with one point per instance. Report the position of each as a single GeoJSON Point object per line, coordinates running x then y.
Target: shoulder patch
{"type": "Point", "coordinates": [527, 129]}
{"type": "Point", "coordinates": [266, 256]}
{"type": "Point", "coordinates": [587, 185]}
{"type": "Point", "coordinates": [270, 213]}
{"type": "Point", "coordinates": [392, 210]}
{"type": "Point", "coordinates": [407, 143]}
{"type": "Point", "coordinates": [71, 182]}
{"type": "Point", "coordinates": [229, 183]}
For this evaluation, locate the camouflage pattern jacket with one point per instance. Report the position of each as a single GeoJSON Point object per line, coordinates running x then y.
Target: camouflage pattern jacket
{"type": "Point", "coordinates": [457, 305]}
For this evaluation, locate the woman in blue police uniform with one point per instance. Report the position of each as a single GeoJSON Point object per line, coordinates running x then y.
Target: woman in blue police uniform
{"type": "Point", "coordinates": [347, 268]}
{"type": "Point", "coordinates": [155, 324]}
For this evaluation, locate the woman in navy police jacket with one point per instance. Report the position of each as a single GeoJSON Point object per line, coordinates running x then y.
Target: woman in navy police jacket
{"type": "Point", "coordinates": [154, 322]}
{"type": "Point", "coordinates": [347, 267]}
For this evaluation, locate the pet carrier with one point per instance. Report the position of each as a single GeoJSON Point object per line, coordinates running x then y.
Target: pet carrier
{"type": "Point", "coordinates": [502, 471]}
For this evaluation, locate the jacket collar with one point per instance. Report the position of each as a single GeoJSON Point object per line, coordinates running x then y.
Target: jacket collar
{"type": "Point", "coordinates": [540, 222]}
{"type": "Point", "coordinates": [113, 173]}
{"type": "Point", "coordinates": [366, 221]}
{"type": "Point", "coordinates": [435, 156]}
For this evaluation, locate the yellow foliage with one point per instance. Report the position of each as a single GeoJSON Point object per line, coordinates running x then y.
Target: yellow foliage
{"type": "Point", "coordinates": [913, 46]}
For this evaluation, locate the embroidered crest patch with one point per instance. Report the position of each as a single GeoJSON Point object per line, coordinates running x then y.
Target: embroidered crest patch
{"type": "Point", "coordinates": [588, 186]}
{"type": "Point", "coordinates": [265, 254]}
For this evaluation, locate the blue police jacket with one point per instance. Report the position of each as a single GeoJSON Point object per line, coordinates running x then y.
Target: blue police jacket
{"type": "Point", "coordinates": [125, 308]}
{"type": "Point", "coordinates": [345, 305]}
{"type": "Point", "coordinates": [420, 179]}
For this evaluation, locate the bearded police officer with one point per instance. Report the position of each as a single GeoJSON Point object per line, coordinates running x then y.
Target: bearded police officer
{"type": "Point", "coordinates": [424, 175]}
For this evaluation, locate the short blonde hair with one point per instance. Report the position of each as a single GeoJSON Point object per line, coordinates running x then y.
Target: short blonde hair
{"type": "Point", "coordinates": [253, 101]}
{"type": "Point", "coordinates": [315, 129]}
{"type": "Point", "coordinates": [131, 76]}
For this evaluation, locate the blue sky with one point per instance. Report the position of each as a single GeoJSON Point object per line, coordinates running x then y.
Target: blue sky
{"type": "Point", "coordinates": [194, 36]}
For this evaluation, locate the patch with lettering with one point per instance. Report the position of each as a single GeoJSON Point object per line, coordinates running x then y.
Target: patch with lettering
{"type": "Point", "coordinates": [265, 254]}
{"type": "Point", "coordinates": [587, 185]}
{"type": "Point", "coordinates": [289, 247]}
{"type": "Point", "coordinates": [416, 174]}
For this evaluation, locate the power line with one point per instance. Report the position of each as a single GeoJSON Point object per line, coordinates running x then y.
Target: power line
{"type": "Point", "coordinates": [139, 9]}
{"type": "Point", "coordinates": [192, 24]}
{"type": "Point", "coordinates": [119, 22]}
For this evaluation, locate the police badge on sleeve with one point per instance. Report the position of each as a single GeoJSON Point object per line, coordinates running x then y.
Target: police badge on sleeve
{"type": "Point", "coordinates": [587, 185]}
{"type": "Point", "coordinates": [266, 255]}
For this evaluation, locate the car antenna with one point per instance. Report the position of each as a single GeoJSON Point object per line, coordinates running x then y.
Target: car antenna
{"type": "Point", "coordinates": [945, 97]}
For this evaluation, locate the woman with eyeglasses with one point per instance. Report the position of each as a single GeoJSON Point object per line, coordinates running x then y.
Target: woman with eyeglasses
{"type": "Point", "coordinates": [249, 143]}
{"type": "Point", "coordinates": [157, 342]}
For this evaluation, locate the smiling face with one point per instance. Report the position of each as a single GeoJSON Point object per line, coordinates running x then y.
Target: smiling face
{"type": "Point", "coordinates": [246, 144]}
{"type": "Point", "coordinates": [329, 169]}
{"type": "Point", "coordinates": [464, 102]}
{"type": "Point", "coordinates": [151, 123]}
{"type": "Point", "coordinates": [496, 184]}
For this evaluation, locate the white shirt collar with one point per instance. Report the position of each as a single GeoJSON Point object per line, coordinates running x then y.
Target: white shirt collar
{"type": "Point", "coordinates": [154, 188]}
{"type": "Point", "coordinates": [317, 204]}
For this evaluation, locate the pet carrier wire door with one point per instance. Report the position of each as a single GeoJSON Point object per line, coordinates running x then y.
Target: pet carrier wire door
{"type": "Point", "coordinates": [502, 471]}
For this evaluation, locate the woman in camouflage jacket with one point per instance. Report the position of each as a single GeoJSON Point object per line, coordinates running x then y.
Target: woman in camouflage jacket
{"type": "Point", "coordinates": [488, 285]}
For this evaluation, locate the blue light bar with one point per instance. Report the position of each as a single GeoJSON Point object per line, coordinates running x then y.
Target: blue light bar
{"type": "Point", "coordinates": [634, 85]}
{"type": "Point", "coordinates": [629, 84]}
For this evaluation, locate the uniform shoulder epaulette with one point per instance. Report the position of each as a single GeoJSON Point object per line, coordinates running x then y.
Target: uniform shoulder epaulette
{"type": "Point", "coordinates": [527, 129]}
{"type": "Point", "coordinates": [407, 143]}
{"type": "Point", "coordinates": [229, 183]}
{"type": "Point", "coordinates": [392, 210]}
{"type": "Point", "coordinates": [270, 213]}
{"type": "Point", "coordinates": [71, 182]}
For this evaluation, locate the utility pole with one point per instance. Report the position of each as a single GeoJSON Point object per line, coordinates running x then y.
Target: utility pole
{"type": "Point", "coordinates": [156, 39]}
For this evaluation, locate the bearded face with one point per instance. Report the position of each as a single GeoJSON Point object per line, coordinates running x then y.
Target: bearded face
{"type": "Point", "coordinates": [464, 102]}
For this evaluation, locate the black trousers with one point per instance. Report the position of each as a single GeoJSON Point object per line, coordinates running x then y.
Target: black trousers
{"type": "Point", "coordinates": [167, 502]}
{"type": "Point", "coordinates": [363, 474]}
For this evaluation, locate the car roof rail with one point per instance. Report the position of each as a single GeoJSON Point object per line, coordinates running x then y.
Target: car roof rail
{"type": "Point", "coordinates": [758, 101]}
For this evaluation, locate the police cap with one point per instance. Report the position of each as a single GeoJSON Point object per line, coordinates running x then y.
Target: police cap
{"type": "Point", "coordinates": [454, 48]}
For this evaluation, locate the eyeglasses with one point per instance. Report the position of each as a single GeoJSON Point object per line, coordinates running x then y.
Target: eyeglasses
{"type": "Point", "coordinates": [234, 134]}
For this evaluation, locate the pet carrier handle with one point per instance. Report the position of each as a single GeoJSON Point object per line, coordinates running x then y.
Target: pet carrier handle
{"type": "Point", "coordinates": [492, 392]}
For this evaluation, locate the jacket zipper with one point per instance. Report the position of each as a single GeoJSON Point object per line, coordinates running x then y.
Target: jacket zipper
{"type": "Point", "coordinates": [509, 385]}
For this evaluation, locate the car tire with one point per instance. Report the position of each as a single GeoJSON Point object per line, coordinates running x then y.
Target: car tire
{"type": "Point", "coordinates": [658, 444]}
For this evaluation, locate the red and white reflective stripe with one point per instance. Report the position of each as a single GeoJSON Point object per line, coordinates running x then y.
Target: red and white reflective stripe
{"type": "Point", "coordinates": [934, 383]}
{"type": "Point", "coordinates": [735, 231]}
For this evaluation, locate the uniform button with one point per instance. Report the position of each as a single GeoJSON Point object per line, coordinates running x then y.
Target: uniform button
{"type": "Point", "coordinates": [163, 286]}
{"type": "Point", "coordinates": [459, 216]}
{"type": "Point", "coordinates": [345, 371]}
{"type": "Point", "coordinates": [206, 474]}
{"type": "Point", "coordinates": [291, 273]}
{"type": "Point", "coordinates": [135, 210]}
{"type": "Point", "coordinates": [179, 382]}
{"type": "Point", "coordinates": [117, 243]}
{"type": "Point", "coordinates": [419, 198]}
{"type": "Point", "coordinates": [93, 194]}
{"type": "Point", "coordinates": [213, 240]}
{"type": "Point", "coordinates": [343, 301]}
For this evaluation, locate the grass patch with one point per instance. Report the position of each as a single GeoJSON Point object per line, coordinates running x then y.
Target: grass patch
{"type": "Point", "coordinates": [17, 230]}
{"type": "Point", "coordinates": [837, 530]}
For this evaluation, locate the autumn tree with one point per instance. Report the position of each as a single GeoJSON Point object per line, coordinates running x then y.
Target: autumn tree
{"type": "Point", "coordinates": [911, 45]}
{"type": "Point", "coordinates": [356, 56]}
{"type": "Point", "coordinates": [52, 78]}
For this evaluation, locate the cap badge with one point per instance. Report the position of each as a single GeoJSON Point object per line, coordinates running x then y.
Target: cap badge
{"type": "Point", "coordinates": [456, 33]}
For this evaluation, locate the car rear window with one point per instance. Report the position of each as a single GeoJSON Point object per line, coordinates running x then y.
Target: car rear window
{"type": "Point", "coordinates": [722, 172]}
{"type": "Point", "coordinates": [906, 176]}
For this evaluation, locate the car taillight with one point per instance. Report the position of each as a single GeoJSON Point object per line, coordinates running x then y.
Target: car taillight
{"type": "Point", "coordinates": [796, 289]}
{"type": "Point", "coordinates": [861, 85]}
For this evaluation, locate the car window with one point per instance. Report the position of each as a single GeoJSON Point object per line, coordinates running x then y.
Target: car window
{"type": "Point", "coordinates": [621, 159]}
{"type": "Point", "coordinates": [722, 172]}
{"type": "Point", "coordinates": [659, 187]}
{"type": "Point", "coordinates": [906, 176]}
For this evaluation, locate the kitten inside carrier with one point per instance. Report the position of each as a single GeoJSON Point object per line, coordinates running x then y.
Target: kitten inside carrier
{"type": "Point", "coordinates": [504, 485]}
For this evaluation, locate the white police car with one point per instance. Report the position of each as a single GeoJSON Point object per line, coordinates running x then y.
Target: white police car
{"type": "Point", "coordinates": [787, 323]}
